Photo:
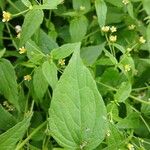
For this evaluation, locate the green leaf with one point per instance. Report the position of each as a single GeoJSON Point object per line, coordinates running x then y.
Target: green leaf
{"type": "Point", "coordinates": [7, 120]}
{"type": "Point", "coordinates": [130, 10]}
{"type": "Point", "coordinates": [91, 53]}
{"type": "Point", "coordinates": [33, 52]}
{"type": "Point", "coordinates": [84, 3]}
{"type": "Point", "coordinates": [146, 6]}
{"type": "Point", "coordinates": [49, 4]}
{"type": "Point", "coordinates": [50, 73]}
{"type": "Point", "coordinates": [77, 113]}
{"type": "Point", "coordinates": [123, 92]}
{"type": "Point", "coordinates": [78, 28]}
{"type": "Point", "coordinates": [39, 82]}
{"type": "Point", "coordinates": [45, 42]}
{"type": "Point", "coordinates": [65, 50]}
{"type": "Point", "coordinates": [115, 139]}
{"type": "Point", "coordinates": [101, 11]}
{"type": "Point", "coordinates": [9, 139]}
{"type": "Point", "coordinates": [117, 3]}
{"type": "Point", "coordinates": [26, 3]}
{"type": "Point", "coordinates": [32, 22]}
{"type": "Point", "coordinates": [2, 52]}
{"type": "Point", "coordinates": [8, 83]}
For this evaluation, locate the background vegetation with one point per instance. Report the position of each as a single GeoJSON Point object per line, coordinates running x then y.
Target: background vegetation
{"type": "Point", "coordinates": [75, 74]}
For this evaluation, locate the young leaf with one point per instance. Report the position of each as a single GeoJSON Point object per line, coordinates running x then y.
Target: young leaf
{"type": "Point", "coordinates": [77, 113]}
{"type": "Point", "coordinates": [32, 22]}
{"type": "Point", "coordinates": [78, 28]}
{"type": "Point", "coordinates": [65, 50]}
{"type": "Point", "coordinates": [101, 11]}
{"type": "Point", "coordinates": [9, 139]}
{"type": "Point", "coordinates": [39, 82]}
{"type": "Point", "coordinates": [123, 92]}
{"type": "Point", "coordinates": [8, 83]}
{"type": "Point", "coordinates": [50, 73]}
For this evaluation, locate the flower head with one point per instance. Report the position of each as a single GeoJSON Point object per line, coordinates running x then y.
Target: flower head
{"type": "Point", "coordinates": [27, 78]}
{"type": "Point", "coordinates": [22, 50]}
{"type": "Point", "coordinates": [142, 40]}
{"type": "Point", "coordinates": [125, 2]}
{"type": "Point", "coordinates": [127, 67]}
{"type": "Point", "coordinates": [61, 62]}
{"type": "Point", "coordinates": [6, 16]}
{"type": "Point", "coordinates": [131, 27]}
{"type": "Point", "coordinates": [113, 38]}
{"type": "Point", "coordinates": [113, 29]}
{"type": "Point", "coordinates": [105, 28]}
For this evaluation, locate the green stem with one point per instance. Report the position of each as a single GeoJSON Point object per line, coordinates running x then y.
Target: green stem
{"type": "Point", "coordinates": [15, 45]}
{"type": "Point", "coordinates": [29, 137]}
{"type": "Point", "coordinates": [20, 13]}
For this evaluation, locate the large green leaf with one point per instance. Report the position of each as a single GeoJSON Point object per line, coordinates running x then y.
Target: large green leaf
{"type": "Point", "coordinates": [50, 73]}
{"type": "Point", "coordinates": [8, 83]}
{"type": "Point", "coordinates": [32, 22]}
{"type": "Point", "coordinates": [9, 139]}
{"type": "Point", "coordinates": [77, 113]}
{"type": "Point", "coordinates": [78, 28]}
{"type": "Point", "coordinates": [101, 11]}
{"type": "Point", "coordinates": [65, 50]}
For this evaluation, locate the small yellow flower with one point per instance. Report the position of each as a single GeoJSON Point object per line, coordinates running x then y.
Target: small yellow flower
{"type": "Point", "coordinates": [61, 62]}
{"type": "Point", "coordinates": [142, 40]}
{"type": "Point", "coordinates": [130, 147]}
{"type": "Point", "coordinates": [113, 29]}
{"type": "Point", "coordinates": [127, 68]}
{"type": "Point", "coordinates": [22, 50]}
{"type": "Point", "coordinates": [125, 2]}
{"type": "Point", "coordinates": [113, 38]}
{"type": "Point", "coordinates": [131, 27]}
{"type": "Point", "coordinates": [82, 8]}
{"type": "Point", "coordinates": [105, 28]}
{"type": "Point", "coordinates": [27, 78]}
{"type": "Point", "coordinates": [6, 16]}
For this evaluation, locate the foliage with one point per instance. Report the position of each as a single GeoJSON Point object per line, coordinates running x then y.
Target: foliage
{"type": "Point", "coordinates": [75, 75]}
